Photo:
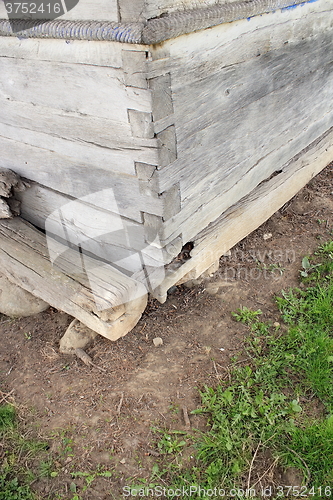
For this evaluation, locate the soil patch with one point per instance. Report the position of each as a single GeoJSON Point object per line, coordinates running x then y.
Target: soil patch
{"type": "Point", "coordinates": [106, 419]}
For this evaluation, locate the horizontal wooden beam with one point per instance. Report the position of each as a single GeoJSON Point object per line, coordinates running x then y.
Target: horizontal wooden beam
{"type": "Point", "coordinates": [95, 293]}
{"type": "Point", "coordinates": [149, 31]}
{"type": "Point", "coordinates": [250, 212]}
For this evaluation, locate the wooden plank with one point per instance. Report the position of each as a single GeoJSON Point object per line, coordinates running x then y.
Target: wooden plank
{"type": "Point", "coordinates": [91, 296]}
{"type": "Point", "coordinates": [198, 213]}
{"type": "Point", "coordinates": [83, 89]}
{"type": "Point", "coordinates": [208, 51]}
{"type": "Point", "coordinates": [237, 87]}
{"type": "Point", "coordinates": [75, 179]}
{"type": "Point", "coordinates": [70, 151]}
{"type": "Point", "coordinates": [85, 130]}
{"type": "Point", "coordinates": [97, 10]}
{"type": "Point", "coordinates": [225, 147]}
{"type": "Point", "coordinates": [234, 87]}
{"type": "Point", "coordinates": [107, 235]}
{"type": "Point", "coordinates": [64, 51]}
{"type": "Point", "coordinates": [248, 214]}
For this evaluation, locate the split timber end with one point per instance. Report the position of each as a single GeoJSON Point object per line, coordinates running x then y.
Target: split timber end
{"type": "Point", "coordinates": [92, 291]}
{"type": "Point", "coordinates": [250, 212]}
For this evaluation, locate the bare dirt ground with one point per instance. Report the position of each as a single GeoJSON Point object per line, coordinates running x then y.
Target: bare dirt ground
{"type": "Point", "coordinates": [96, 418]}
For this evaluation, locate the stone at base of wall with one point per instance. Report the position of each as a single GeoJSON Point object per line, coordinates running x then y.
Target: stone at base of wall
{"type": "Point", "coordinates": [16, 302]}
{"type": "Point", "coordinates": [77, 336]}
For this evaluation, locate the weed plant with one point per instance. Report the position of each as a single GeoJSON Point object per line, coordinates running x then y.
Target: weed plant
{"type": "Point", "coordinates": [279, 403]}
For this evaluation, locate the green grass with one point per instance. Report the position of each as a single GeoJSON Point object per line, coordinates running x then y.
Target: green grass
{"type": "Point", "coordinates": [273, 408]}
{"type": "Point", "coordinates": [20, 455]}
{"type": "Point", "coordinates": [26, 460]}
{"type": "Point", "coordinates": [279, 403]}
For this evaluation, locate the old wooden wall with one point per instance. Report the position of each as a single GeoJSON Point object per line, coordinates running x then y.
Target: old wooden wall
{"type": "Point", "coordinates": [131, 10]}
{"type": "Point", "coordinates": [75, 118]}
{"type": "Point", "coordinates": [233, 104]}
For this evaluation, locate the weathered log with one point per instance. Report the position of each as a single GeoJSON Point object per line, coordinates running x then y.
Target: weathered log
{"type": "Point", "coordinates": [95, 293]}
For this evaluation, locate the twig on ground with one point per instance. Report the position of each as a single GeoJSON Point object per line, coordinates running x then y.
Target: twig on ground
{"type": "Point", "coordinates": [120, 403]}
{"type": "Point", "coordinates": [303, 462]}
{"type": "Point", "coordinates": [186, 418]}
{"type": "Point", "coordinates": [5, 396]}
{"type": "Point", "coordinates": [264, 474]}
{"type": "Point", "coordinates": [218, 376]}
{"type": "Point", "coordinates": [81, 354]}
{"type": "Point", "coordinates": [252, 462]}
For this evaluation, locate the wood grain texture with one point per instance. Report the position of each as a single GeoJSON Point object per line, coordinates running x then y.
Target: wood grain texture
{"type": "Point", "coordinates": [87, 290]}
{"type": "Point", "coordinates": [233, 124]}
{"type": "Point", "coordinates": [135, 68]}
{"type": "Point", "coordinates": [104, 234]}
{"type": "Point", "coordinates": [91, 154]}
{"type": "Point", "coordinates": [64, 51]}
{"type": "Point", "coordinates": [9, 181]}
{"type": "Point", "coordinates": [51, 171]}
{"type": "Point", "coordinates": [141, 10]}
{"type": "Point", "coordinates": [250, 212]}
{"type": "Point", "coordinates": [5, 211]}
{"type": "Point", "coordinates": [240, 41]}
{"type": "Point", "coordinates": [83, 89]}
{"type": "Point", "coordinates": [75, 132]}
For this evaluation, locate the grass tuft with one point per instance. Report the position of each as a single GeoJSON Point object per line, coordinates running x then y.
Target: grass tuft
{"type": "Point", "coordinates": [279, 401]}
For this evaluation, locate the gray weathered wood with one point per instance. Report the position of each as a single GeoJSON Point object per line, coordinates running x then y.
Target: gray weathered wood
{"type": "Point", "coordinates": [141, 10]}
{"type": "Point", "coordinates": [141, 124]}
{"type": "Point", "coordinates": [64, 51]}
{"type": "Point", "coordinates": [70, 131]}
{"type": "Point", "coordinates": [5, 211]}
{"type": "Point", "coordinates": [135, 68]}
{"type": "Point", "coordinates": [84, 89]}
{"type": "Point", "coordinates": [249, 213]}
{"type": "Point", "coordinates": [89, 153]}
{"type": "Point", "coordinates": [161, 96]}
{"type": "Point", "coordinates": [10, 181]}
{"type": "Point", "coordinates": [230, 143]}
{"type": "Point", "coordinates": [72, 179]}
{"type": "Point", "coordinates": [89, 292]}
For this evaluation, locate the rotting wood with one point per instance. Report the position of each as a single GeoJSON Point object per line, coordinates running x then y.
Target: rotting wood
{"type": "Point", "coordinates": [5, 211]}
{"type": "Point", "coordinates": [248, 214]}
{"type": "Point", "coordinates": [10, 184]}
{"type": "Point", "coordinates": [85, 288]}
{"type": "Point", "coordinates": [10, 181]}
